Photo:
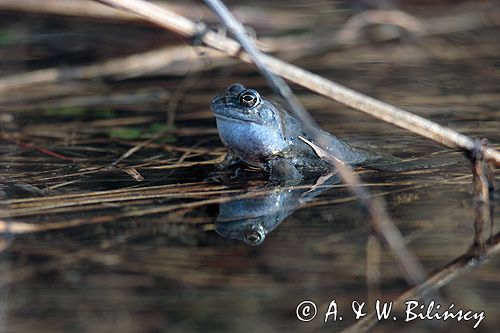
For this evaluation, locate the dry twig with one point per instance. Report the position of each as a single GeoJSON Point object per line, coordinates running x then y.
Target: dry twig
{"type": "Point", "coordinates": [483, 190]}
{"type": "Point", "coordinates": [323, 86]}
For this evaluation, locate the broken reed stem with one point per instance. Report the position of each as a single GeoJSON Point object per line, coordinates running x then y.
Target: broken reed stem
{"type": "Point", "coordinates": [386, 112]}
{"type": "Point", "coordinates": [483, 191]}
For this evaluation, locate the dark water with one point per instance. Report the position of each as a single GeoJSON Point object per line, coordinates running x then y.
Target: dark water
{"type": "Point", "coordinates": [93, 250]}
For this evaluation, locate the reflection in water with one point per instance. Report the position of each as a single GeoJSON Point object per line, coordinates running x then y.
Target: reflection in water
{"type": "Point", "coordinates": [250, 220]}
{"type": "Point", "coordinates": [481, 248]}
{"type": "Point", "coordinates": [472, 259]}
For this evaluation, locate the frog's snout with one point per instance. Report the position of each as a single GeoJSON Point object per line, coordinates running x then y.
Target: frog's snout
{"type": "Point", "coordinates": [216, 101]}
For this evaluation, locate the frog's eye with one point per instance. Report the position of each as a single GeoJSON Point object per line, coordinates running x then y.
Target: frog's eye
{"type": "Point", "coordinates": [254, 237]}
{"type": "Point", "coordinates": [249, 98]}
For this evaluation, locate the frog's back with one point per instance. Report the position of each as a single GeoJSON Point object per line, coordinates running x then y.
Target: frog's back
{"type": "Point", "coordinates": [338, 148]}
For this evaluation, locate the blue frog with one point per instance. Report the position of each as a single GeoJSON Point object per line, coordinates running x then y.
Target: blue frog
{"type": "Point", "coordinates": [260, 133]}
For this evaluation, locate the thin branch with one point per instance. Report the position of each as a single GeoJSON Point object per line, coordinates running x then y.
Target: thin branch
{"type": "Point", "coordinates": [128, 66]}
{"type": "Point", "coordinates": [16, 227]}
{"type": "Point", "coordinates": [138, 147]}
{"type": "Point", "coordinates": [323, 86]}
{"type": "Point", "coordinates": [42, 150]}
{"type": "Point", "coordinates": [268, 17]}
{"type": "Point", "coordinates": [278, 85]}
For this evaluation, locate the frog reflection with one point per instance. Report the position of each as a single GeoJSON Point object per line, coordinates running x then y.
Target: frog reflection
{"type": "Point", "coordinates": [250, 220]}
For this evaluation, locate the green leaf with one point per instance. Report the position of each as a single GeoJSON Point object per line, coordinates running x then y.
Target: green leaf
{"type": "Point", "coordinates": [126, 133]}
{"type": "Point", "coordinates": [65, 112]}
{"type": "Point", "coordinates": [156, 128]}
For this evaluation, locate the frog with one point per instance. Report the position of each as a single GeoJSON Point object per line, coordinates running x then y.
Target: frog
{"type": "Point", "coordinates": [260, 133]}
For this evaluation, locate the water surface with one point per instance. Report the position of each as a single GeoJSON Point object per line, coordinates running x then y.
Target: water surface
{"type": "Point", "coordinates": [91, 249]}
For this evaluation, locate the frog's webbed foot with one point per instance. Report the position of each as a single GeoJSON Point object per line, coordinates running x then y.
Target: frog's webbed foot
{"type": "Point", "coordinates": [230, 160]}
{"type": "Point", "coordinates": [284, 172]}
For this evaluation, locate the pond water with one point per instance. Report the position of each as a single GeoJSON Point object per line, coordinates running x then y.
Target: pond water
{"type": "Point", "coordinates": [96, 241]}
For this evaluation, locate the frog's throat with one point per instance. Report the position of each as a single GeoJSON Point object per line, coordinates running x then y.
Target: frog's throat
{"type": "Point", "coordinates": [238, 120]}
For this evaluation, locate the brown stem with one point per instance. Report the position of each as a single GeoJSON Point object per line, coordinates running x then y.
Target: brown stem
{"type": "Point", "coordinates": [386, 112]}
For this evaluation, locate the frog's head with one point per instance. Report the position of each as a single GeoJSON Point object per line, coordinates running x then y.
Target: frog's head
{"type": "Point", "coordinates": [248, 124]}
{"type": "Point", "coordinates": [240, 103]}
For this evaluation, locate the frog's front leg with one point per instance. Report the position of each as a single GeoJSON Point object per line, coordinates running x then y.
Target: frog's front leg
{"type": "Point", "coordinates": [283, 171]}
{"type": "Point", "coordinates": [229, 160]}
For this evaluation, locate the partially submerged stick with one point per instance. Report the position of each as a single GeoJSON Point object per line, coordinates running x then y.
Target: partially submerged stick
{"type": "Point", "coordinates": [437, 280]}
{"type": "Point", "coordinates": [483, 189]}
{"type": "Point", "coordinates": [378, 217]}
{"type": "Point", "coordinates": [349, 97]}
